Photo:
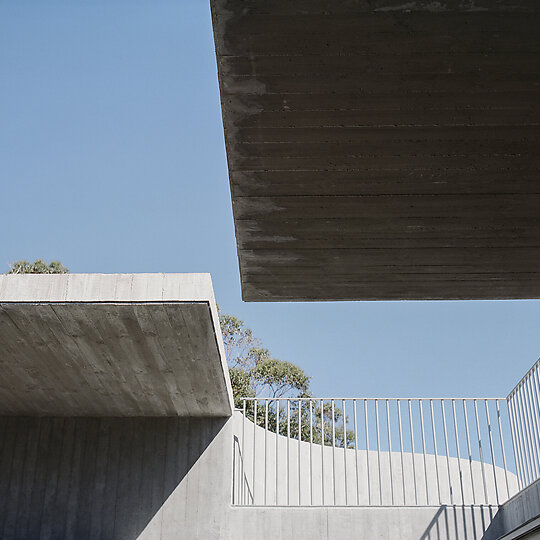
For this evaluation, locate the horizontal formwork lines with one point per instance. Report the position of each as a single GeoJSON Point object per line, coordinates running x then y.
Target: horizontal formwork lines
{"type": "Point", "coordinates": [412, 160]}
{"type": "Point", "coordinates": [246, 25]}
{"type": "Point", "coordinates": [381, 138]}
{"type": "Point", "coordinates": [500, 138]}
{"type": "Point", "coordinates": [384, 182]}
{"type": "Point", "coordinates": [516, 259]}
{"type": "Point", "coordinates": [385, 99]}
{"type": "Point", "coordinates": [325, 7]}
{"type": "Point", "coordinates": [377, 291]}
{"type": "Point", "coordinates": [388, 206]}
{"type": "Point", "coordinates": [426, 62]}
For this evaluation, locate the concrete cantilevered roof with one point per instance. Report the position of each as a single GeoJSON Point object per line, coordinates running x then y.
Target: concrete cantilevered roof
{"type": "Point", "coordinates": [111, 345]}
{"type": "Point", "coordinates": [383, 149]}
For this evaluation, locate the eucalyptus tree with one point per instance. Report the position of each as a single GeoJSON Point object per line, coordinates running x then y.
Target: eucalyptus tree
{"type": "Point", "coordinates": [267, 381]}
{"type": "Point", "coordinates": [39, 266]}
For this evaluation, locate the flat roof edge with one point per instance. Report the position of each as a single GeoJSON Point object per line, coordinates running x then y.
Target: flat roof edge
{"type": "Point", "coordinates": [124, 288]}
{"type": "Point", "coordinates": [157, 287]}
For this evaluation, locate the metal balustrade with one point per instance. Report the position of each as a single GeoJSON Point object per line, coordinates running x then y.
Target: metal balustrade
{"type": "Point", "coordinates": [524, 405]}
{"type": "Point", "coordinates": [370, 451]}
{"type": "Point", "coordinates": [387, 451]}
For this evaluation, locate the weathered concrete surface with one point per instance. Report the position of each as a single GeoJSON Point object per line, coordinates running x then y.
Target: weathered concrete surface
{"type": "Point", "coordinates": [109, 478]}
{"type": "Point", "coordinates": [170, 478]}
{"type": "Point", "coordinates": [519, 517]}
{"type": "Point", "coordinates": [111, 345]}
{"type": "Point", "coordinates": [383, 149]}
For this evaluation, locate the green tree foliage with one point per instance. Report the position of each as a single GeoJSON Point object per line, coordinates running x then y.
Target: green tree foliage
{"type": "Point", "coordinates": [253, 372]}
{"type": "Point", "coordinates": [39, 266]}
{"type": "Point", "coordinates": [256, 374]}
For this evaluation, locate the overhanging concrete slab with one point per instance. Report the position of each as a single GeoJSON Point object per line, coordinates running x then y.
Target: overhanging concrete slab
{"type": "Point", "coordinates": [381, 149]}
{"type": "Point", "coordinates": [111, 345]}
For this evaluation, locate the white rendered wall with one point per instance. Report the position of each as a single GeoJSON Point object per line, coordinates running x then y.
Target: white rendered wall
{"type": "Point", "coordinates": [341, 476]}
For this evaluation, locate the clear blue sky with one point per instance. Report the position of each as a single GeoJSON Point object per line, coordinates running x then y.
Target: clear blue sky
{"type": "Point", "coordinates": [112, 159]}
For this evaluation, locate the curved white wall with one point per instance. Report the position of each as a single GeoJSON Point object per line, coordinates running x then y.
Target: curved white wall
{"type": "Point", "coordinates": [276, 470]}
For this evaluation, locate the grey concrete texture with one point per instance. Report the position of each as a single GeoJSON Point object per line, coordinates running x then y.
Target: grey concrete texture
{"type": "Point", "coordinates": [165, 478]}
{"type": "Point", "coordinates": [382, 150]}
{"type": "Point", "coordinates": [111, 345]}
{"type": "Point", "coordinates": [514, 516]}
{"type": "Point", "coordinates": [104, 478]}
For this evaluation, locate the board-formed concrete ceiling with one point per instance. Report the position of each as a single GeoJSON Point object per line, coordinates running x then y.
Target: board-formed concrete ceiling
{"type": "Point", "coordinates": [111, 345]}
{"type": "Point", "coordinates": [381, 149]}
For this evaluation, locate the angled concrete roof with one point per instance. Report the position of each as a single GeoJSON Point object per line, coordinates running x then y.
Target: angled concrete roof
{"type": "Point", "coordinates": [382, 149]}
{"type": "Point", "coordinates": [111, 345]}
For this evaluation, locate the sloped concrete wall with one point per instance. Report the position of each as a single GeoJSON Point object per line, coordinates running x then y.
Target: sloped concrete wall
{"type": "Point", "coordinates": [522, 509]}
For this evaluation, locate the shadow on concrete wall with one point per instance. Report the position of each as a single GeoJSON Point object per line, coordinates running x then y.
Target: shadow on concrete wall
{"type": "Point", "coordinates": [242, 493]}
{"type": "Point", "coordinates": [519, 510]}
{"type": "Point", "coordinates": [467, 522]}
{"type": "Point", "coordinates": [93, 477]}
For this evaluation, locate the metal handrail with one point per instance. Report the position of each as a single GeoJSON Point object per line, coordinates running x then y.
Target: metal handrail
{"type": "Point", "coordinates": [524, 405]}
{"type": "Point", "coordinates": [370, 451]}
{"type": "Point", "coordinates": [388, 451]}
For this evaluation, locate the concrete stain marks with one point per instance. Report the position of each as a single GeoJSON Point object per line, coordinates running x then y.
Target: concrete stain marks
{"type": "Point", "coordinates": [379, 126]}
{"type": "Point", "coordinates": [108, 355]}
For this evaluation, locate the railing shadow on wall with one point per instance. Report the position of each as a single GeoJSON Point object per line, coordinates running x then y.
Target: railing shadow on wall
{"type": "Point", "coordinates": [240, 482]}
{"type": "Point", "coordinates": [389, 451]}
{"type": "Point", "coordinates": [469, 521]}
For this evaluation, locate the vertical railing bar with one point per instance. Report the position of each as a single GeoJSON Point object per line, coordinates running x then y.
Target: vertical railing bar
{"type": "Point", "coordinates": [345, 451]}
{"type": "Point", "coordinates": [527, 451]}
{"type": "Point", "coordinates": [521, 395]}
{"type": "Point", "coordinates": [311, 452]}
{"type": "Point", "coordinates": [528, 424]}
{"type": "Point", "coordinates": [412, 452]}
{"type": "Point", "coordinates": [401, 450]}
{"type": "Point", "coordinates": [378, 449]}
{"type": "Point", "coordinates": [533, 369]}
{"type": "Point", "coordinates": [390, 452]}
{"type": "Point", "coordinates": [333, 449]}
{"type": "Point", "coordinates": [491, 451]}
{"type": "Point", "coordinates": [356, 454]}
{"type": "Point", "coordinates": [421, 407]}
{"type": "Point", "coordinates": [479, 436]}
{"type": "Point", "coordinates": [322, 452]}
{"type": "Point", "coordinates": [462, 491]}
{"type": "Point", "coordinates": [265, 447]}
{"type": "Point", "coordinates": [277, 449]}
{"type": "Point", "coordinates": [536, 385]}
{"type": "Point", "coordinates": [243, 476]}
{"type": "Point", "coordinates": [536, 392]}
{"type": "Point", "coordinates": [533, 423]}
{"type": "Point", "coordinates": [533, 420]}
{"type": "Point", "coordinates": [435, 449]}
{"type": "Point", "coordinates": [288, 451]}
{"type": "Point", "coordinates": [473, 488]}
{"type": "Point", "coordinates": [450, 487]}
{"type": "Point", "coordinates": [367, 451]}
{"type": "Point", "coordinates": [255, 404]}
{"type": "Point", "coordinates": [299, 449]}
{"type": "Point", "coordinates": [536, 378]}
{"type": "Point", "coordinates": [501, 438]}
{"type": "Point", "coordinates": [527, 430]}
{"type": "Point", "coordinates": [518, 455]}
{"type": "Point", "coordinates": [235, 469]}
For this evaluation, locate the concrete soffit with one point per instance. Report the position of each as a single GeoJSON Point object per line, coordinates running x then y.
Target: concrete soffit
{"type": "Point", "coordinates": [112, 345]}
